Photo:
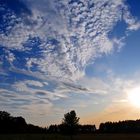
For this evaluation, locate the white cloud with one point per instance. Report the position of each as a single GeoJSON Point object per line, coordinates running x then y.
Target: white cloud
{"type": "Point", "coordinates": [72, 34]}
{"type": "Point", "coordinates": [133, 23]}
{"type": "Point", "coordinates": [3, 72]}
{"type": "Point", "coordinates": [34, 83]}
{"type": "Point", "coordinates": [134, 26]}
{"type": "Point", "coordinates": [119, 42]}
{"type": "Point", "coordinates": [111, 85]}
{"type": "Point", "coordinates": [40, 92]}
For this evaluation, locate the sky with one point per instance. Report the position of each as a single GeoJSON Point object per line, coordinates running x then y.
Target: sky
{"type": "Point", "coordinates": [62, 55]}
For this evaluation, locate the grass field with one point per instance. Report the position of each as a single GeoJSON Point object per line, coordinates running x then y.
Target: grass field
{"type": "Point", "coordinates": [77, 137]}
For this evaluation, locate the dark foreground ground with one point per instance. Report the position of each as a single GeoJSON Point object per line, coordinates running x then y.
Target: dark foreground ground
{"type": "Point", "coordinates": [77, 137]}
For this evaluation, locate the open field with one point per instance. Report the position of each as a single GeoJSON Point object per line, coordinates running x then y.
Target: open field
{"type": "Point", "coordinates": [77, 137]}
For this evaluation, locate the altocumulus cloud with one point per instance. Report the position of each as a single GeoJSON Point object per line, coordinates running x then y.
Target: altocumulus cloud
{"type": "Point", "coordinates": [60, 38]}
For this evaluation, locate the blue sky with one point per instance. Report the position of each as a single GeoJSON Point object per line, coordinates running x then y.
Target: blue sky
{"type": "Point", "coordinates": [69, 54]}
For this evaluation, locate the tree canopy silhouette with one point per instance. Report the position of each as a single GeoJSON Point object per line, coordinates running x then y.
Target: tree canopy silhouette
{"type": "Point", "coordinates": [71, 119]}
{"type": "Point", "coordinates": [70, 123]}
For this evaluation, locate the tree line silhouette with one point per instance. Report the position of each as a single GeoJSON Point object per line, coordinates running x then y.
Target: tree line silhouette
{"type": "Point", "coordinates": [128, 126]}
{"type": "Point", "coordinates": [10, 124]}
{"type": "Point", "coordinates": [69, 126]}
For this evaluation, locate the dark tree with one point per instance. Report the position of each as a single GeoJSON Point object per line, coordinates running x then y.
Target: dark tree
{"type": "Point", "coordinates": [53, 129]}
{"type": "Point", "coordinates": [87, 129]}
{"type": "Point", "coordinates": [70, 123]}
{"type": "Point", "coordinates": [10, 124]}
{"type": "Point", "coordinates": [4, 115]}
{"type": "Point", "coordinates": [128, 126]}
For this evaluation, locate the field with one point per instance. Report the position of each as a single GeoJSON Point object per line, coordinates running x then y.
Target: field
{"type": "Point", "coordinates": [77, 137]}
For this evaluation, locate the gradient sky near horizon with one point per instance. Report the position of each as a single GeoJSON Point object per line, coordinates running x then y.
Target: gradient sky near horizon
{"type": "Point", "coordinates": [59, 55]}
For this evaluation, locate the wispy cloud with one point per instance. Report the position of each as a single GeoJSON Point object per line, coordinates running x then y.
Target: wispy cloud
{"type": "Point", "coordinates": [133, 22]}
{"type": "Point", "coordinates": [134, 26]}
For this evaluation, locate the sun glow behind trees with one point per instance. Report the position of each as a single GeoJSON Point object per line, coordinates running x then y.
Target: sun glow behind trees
{"type": "Point", "coordinates": [134, 96]}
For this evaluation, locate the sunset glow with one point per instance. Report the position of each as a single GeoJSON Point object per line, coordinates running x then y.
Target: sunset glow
{"type": "Point", "coordinates": [134, 96]}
